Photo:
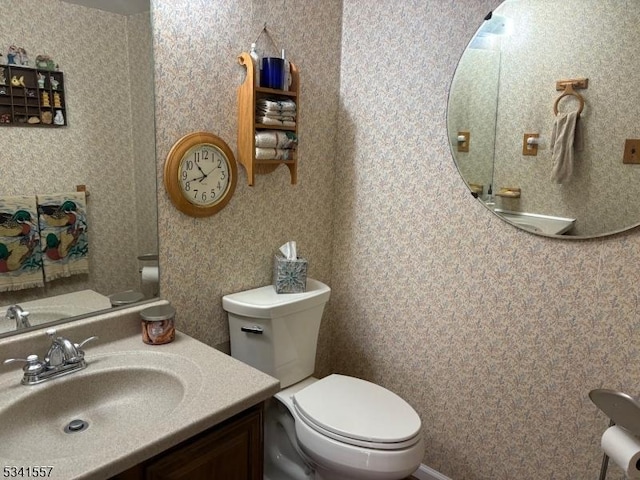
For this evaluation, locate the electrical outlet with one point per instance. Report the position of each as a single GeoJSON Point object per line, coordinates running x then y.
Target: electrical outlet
{"type": "Point", "coordinates": [631, 151]}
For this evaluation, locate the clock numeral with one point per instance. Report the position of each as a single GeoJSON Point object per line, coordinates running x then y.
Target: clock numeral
{"type": "Point", "coordinates": [205, 155]}
{"type": "Point", "coordinates": [222, 175]}
{"type": "Point", "coordinates": [213, 193]}
{"type": "Point", "coordinates": [219, 163]}
{"type": "Point", "coordinates": [187, 186]}
{"type": "Point", "coordinates": [189, 165]}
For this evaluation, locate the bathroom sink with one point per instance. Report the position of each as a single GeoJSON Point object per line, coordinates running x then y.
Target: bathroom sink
{"type": "Point", "coordinates": [130, 393]}
{"type": "Point", "coordinates": [538, 223]}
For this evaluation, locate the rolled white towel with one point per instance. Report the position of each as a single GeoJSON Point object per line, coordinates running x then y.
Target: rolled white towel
{"type": "Point", "coordinates": [275, 139]}
{"type": "Point", "coordinates": [274, 154]}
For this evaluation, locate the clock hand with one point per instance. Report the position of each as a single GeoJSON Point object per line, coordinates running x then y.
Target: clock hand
{"type": "Point", "coordinates": [197, 178]}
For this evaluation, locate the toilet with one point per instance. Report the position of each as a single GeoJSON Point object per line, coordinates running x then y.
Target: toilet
{"type": "Point", "coordinates": [334, 428]}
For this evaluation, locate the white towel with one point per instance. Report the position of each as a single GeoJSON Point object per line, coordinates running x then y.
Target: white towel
{"type": "Point", "coordinates": [274, 154]}
{"type": "Point", "coordinates": [275, 121]}
{"type": "Point", "coordinates": [282, 115]}
{"type": "Point", "coordinates": [276, 105]}
{"type": "Point", "coordinates": [566, 138]}
{"type": "Point", "coordinates": [276, 139]}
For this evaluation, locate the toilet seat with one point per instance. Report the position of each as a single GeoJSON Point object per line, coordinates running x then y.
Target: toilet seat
{"type": "Point", "coordinates": [357, 412]}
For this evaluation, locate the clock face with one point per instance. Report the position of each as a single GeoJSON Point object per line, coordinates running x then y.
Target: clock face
{"type": "Point", "coordinates": [204, 176]}
{"type": "Point", "coordinates": [200, 174]}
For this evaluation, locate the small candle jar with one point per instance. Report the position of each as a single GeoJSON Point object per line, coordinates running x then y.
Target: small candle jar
{"type": "Point", "coordinates": [158, 324]}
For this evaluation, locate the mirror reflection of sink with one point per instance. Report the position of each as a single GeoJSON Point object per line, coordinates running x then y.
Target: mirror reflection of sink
{"type": "Point", "coordinates": [58, 307]}
{"type": "Point", "coordinates": [131, 393]}
{"type": "Point", "coordinates": [538, 223]}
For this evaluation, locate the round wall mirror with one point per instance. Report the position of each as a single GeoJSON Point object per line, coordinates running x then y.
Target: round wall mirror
{"type": "Point", "coordinates": [542, 116]}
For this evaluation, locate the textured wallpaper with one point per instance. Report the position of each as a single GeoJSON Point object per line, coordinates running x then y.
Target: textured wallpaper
{"type": "Point", "coordinates": [196, 47]}
{"type": "Point", "coordinates": [95, 148]}
{"type": "Point", "coordinates": [493, 334]}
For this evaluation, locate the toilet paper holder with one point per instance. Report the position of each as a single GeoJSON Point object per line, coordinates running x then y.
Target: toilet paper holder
{"type": "Point", "coordinates": [621, 408]}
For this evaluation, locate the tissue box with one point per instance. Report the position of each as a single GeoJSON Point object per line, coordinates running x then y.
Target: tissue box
{"type": "Point", "coordinates": [289, 276]}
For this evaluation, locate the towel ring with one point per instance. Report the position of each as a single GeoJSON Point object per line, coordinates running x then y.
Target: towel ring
{"type": "Point", "coordinates": [569, 91]}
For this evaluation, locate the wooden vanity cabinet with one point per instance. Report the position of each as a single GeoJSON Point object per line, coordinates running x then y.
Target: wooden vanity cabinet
{"type": "Point", "coordinates": [231, 450]}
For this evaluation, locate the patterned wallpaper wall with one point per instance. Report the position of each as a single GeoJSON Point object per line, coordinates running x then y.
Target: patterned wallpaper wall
{"type": "Point", "coordinates": [494, 335]}
{"type": "Point", "coordinates": [196, 46]}
{"type": "Point", "coordinates": [95, 148]}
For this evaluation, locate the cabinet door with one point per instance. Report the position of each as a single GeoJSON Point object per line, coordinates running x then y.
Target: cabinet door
{"type": "Point", "coordinates": [232, 451]}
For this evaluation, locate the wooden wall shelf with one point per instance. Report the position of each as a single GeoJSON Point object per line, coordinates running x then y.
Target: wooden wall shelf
{"type": "Point", "coordinates": [248, 93]}
{"type": "Point", "coordinates": [30, 103]}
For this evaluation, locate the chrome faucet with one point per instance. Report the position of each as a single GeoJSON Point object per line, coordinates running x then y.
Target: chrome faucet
{"type": "Point", "coordinates": [15, 312]}
{"type": "Point", "coordinates": [62, 358]}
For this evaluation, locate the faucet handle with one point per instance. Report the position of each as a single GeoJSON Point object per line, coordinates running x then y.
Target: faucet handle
{"type": "Point", "coordinates": [33, 367]}
{"type": "Point", "coordinates": [85, 341]}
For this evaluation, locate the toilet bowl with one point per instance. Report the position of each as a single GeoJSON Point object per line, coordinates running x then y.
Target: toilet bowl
{"type": "Point", "coordinates": [334, 428]}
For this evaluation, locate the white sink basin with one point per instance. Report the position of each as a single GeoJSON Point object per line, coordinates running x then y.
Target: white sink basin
{"type": "Point", "coordinates": [117, 394]}
{"type": "Point", "coordinates": [537, 223]}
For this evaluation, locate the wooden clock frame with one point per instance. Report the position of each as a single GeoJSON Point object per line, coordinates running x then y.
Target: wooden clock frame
{"type": "Point", "coordinates": [173, 165]}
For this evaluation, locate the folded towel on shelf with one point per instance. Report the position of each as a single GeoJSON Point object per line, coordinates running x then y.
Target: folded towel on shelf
{"type": "Point", "coordinates": [276, 139]}
{"type": "Point", "coordinates": [276, 105]}
{"type": "Point", "coordinates": [279, 115]}
{"type": "Point", "coordinates": [564, 142]}
{"type": "Point", "coordinates": [274, 154]}
{"type": "Point", "coordinates": [63, 229]}
{"type": "Point", "coordinates": [20, 254]}
{"type": "Point", "coordinates": [274, 121]}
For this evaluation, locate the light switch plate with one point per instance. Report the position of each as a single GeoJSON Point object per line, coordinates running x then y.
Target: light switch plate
{"type": "Point", "coordinates": [464, 145]}
{"type": "Point", "coordinates": [529, 150]}
{"type": "Point", "coordinates": [631, 151]}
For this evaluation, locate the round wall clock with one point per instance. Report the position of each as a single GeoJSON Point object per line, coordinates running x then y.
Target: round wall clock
{"type": "Point", "coordinates": [200, 174]}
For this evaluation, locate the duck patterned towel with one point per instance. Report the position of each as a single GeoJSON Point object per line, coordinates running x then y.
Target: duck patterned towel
{"type": "Point", "coordinates": [20, 255]}
{"type": "Point", "coordinates": [63, 229]}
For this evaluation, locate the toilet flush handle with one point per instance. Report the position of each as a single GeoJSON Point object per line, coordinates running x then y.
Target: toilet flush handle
{"type": "Point", "coordinates": [255, 329]}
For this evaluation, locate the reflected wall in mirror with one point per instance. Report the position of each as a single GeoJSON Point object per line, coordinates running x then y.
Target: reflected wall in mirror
{"type": "Point", "coordinates": [108, 144]}
{"type": "Point", "coordinates": [505, 87]}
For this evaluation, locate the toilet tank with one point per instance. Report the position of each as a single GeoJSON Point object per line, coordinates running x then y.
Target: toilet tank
{"type": "Point", "coordinates": [277, 333]}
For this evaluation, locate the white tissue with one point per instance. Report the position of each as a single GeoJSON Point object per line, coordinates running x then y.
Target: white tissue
{"type": "Point", "coordinates": [289, 250]}
{"type": "Point", "coordinates": [623, 449]}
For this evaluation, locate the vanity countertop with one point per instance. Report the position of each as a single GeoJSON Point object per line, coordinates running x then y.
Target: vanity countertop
{"type": "Point", "coordinates": [220, 387]}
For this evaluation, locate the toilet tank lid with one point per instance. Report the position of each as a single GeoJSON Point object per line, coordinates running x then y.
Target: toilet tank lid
{"type": "Point", "coordinates": [264, 302]}
{"type": "Point", "coordinates": [357, 409]}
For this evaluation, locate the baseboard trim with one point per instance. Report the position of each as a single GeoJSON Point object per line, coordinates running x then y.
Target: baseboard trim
{"type": "Point", "coordinates": [427, 473]}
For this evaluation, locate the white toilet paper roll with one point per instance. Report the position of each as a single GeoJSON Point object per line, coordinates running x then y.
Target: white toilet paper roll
{"type": "Point", "coordinates": [149, 275]}
{"type": "Point", "coordinates": [623, 449]}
